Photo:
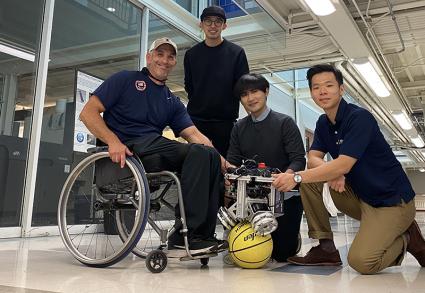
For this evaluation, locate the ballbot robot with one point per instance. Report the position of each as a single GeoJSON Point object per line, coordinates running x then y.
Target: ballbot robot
{"type": "Point", "coordinates": [253, 198]}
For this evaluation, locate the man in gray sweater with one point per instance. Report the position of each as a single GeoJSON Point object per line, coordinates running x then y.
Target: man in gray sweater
{"type": "Point", "coordinates": [274, 139]}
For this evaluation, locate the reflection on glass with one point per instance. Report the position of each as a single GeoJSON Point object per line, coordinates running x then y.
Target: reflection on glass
{"type": "Point", "coordinates": [19, 37]}
{"type": "Point", "coordinates": [189, 5]}
{"type": "Point", "coordinates": [235, 8]}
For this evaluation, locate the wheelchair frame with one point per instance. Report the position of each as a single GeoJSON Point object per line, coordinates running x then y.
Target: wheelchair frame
{"type": "Point", "coordinates": [136, 199]}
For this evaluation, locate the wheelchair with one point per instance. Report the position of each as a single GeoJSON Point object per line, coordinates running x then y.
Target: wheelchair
{"type": "Point", "coordinates": [105, 212]}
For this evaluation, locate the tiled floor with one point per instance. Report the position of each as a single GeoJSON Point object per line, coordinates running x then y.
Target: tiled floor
{"type": "Point", "coordinates": [44, 265]}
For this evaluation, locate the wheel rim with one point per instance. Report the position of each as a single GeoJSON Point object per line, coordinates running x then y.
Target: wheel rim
{"type": "Point", "coordinates": [85, 235]}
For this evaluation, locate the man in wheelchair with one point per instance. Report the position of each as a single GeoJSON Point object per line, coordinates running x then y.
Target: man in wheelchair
{"type": "Point", "coordinates": [136, 107]}
{"type": "Point", "coordinates": [280, 147]}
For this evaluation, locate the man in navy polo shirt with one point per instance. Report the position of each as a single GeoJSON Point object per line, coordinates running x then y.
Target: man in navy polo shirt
{"type": "Point", "coordinates": [136, 107]}
{"type": "Point", "coordinates": [366, 182]}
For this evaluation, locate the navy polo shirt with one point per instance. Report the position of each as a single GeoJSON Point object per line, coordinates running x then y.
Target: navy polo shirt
{"type": "Point", "coordinates": [136, 107]}
{"type": "Point", "coordinates": [377, 177]}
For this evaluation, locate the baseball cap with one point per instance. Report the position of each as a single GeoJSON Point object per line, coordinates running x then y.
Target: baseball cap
{"type": "Point", "coordinates": [162, 41]}
{"type": "Point", "coordinates": [213, 11]}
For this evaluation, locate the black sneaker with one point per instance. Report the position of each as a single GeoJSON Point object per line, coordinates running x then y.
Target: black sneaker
{"type": "Point", "coordinates": [196, 246]}
{"type": "Point", "coordinates": [222, 245]}
{"type": "Point", "coordinates": [199, 246]}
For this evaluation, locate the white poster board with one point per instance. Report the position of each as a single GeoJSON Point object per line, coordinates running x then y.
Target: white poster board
{"type": "Point", "coordinates": [85, 85]}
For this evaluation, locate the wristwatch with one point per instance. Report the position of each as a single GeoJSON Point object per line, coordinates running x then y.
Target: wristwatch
{"type": "Point", "coordinates": [297, 177]}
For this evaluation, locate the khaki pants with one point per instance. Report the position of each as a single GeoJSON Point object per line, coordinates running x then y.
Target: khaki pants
{"type": "Point", "coordinates": [379, 242]}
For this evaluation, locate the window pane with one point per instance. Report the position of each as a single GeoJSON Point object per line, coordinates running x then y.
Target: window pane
{"type": "Point", "coordinates": [98, 38]}
{"type": "Point", "coordinates": [19, 40]}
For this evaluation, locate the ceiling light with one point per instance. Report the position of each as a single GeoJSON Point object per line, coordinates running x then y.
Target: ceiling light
{"type": "Point", "coordinates": [321, 7]}
{"type": "Point", "coordinates": [371, 76]}
{"type": "Point", "coordinates": [111, 9]}
{"type": "Point", "coordinates": [402, 120]}
{"type": "Point", "coordinates": [421, 170]}
{"type": "Point", "coordinates": [418, 141]}
{"type": "Point", "coordinates": [17, 53]}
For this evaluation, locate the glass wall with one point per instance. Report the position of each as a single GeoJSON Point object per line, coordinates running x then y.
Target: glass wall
{"type": "Point", "coordinates": [98, 38]}
{"type": "Point", "coordinates": [189, 5]}
{"type": "Point", "coordinates": [106, 43]}
{"type": "Point", "coordinates": [19, 45]}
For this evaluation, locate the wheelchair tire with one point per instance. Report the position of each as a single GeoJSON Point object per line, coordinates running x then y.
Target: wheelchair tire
{"type": "Point", "coordinates": [82, 211]}
{"type": "Point", "coordinates": [156, 261]}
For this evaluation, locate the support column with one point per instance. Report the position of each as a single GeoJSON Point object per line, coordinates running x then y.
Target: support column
{"type": "Point", "coordinates": [37, 118]}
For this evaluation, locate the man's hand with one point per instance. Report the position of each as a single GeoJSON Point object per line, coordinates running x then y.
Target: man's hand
{"type": "Point", "coordinates": [117, 152]}
{"type": "Point", "coordinates": [284, 181]}
{"type": "Point", "coordinates": [225, 164]}
{"type": "Point", "coordinates": [337, 184]}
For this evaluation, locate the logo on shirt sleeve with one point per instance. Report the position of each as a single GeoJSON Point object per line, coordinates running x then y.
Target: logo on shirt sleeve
{"type": "Point", "coordinates": [140, 85]}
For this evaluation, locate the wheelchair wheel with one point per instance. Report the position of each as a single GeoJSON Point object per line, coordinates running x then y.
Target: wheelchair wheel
{"type": "Point", "coordinates": [160, 220]}
{"type": "Point", "coordinates": [156, 261]}
{"type": "Point", "coordinates": [93, 196]}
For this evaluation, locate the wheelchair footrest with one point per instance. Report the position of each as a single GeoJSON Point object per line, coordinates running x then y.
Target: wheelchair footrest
{"type": "Point", "coordinates": [199, 256]}
{"type": "Point", "coordinates": [182, 254]}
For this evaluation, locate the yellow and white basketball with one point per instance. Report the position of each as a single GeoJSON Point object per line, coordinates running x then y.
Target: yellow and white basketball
{"type": "Point", "coordinates": [247, 249]}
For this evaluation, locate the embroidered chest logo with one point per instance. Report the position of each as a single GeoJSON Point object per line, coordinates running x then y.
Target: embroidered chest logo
{"type": "Point", "coordinates": [140, 85]}
{"type": "Point", "coordinates": [339, 141]}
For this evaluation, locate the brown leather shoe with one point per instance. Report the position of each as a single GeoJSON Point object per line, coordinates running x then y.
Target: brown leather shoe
{"type": "Point", "coordinates": [416, 243]}
{"type": "Point", "coordinates": [317, 257]}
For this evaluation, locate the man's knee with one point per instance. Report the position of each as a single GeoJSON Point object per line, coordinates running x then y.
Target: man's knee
{"type": "Point", "coordinates": [309, 188]}
{"type": "Point", "coordinates": [203, 151]}
{"type": "Point", "coordinates": [182, 150]}
{"type": "Point", "coordinates": [363, 262]}
{"type": "Point", "coordinates": [210, 150]}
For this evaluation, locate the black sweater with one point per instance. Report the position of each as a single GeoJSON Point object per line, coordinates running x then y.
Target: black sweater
{"type": "Point", "coordinates": [275, 141]}
{"type": "Point", "coordinates": [210, 74]}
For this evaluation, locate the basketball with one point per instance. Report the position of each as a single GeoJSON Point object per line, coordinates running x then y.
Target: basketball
{"type": "Point", "coordinates": [247, 249]}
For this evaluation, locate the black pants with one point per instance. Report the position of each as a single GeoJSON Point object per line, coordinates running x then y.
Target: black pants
{"type": "Point", "coordinates": [285, 238]}
{"type": "Point", "coordinates": [199, 167]}
{"type": "Point", "coordinates": [218, 132]}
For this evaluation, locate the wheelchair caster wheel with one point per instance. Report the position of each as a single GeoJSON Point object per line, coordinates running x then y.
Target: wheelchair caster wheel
{"type": "Point", "coordinates": [205, 261]}
{"type": "Point", "coordinates": [156, 261]}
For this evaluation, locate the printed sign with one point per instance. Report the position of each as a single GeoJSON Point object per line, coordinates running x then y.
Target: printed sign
{"type": "Point", "coordinates": [85, 85]}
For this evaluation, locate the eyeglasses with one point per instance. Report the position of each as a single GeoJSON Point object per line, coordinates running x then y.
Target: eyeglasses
{"type": "Point", "coordinates": [217, 22]}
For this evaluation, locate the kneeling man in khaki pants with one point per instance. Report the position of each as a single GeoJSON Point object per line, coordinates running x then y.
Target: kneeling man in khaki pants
{"type": "Point", "coordinates": [366, 182]}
